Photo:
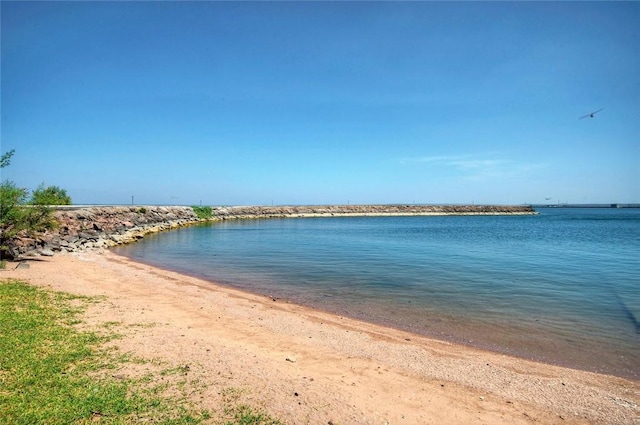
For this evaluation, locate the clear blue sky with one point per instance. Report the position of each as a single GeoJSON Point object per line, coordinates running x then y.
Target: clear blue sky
{"type": "Point", "coordinates": [233, 103]}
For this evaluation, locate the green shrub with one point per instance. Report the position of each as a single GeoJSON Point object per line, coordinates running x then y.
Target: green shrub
{"type": "Point", "coordinates": [24, 215]}
{"type": "Point", "coordinates": [16, 217]}
{"type": "Point", "coordinates": [50, 195]}
{"type": "Point", "coordinates": [203, 213]}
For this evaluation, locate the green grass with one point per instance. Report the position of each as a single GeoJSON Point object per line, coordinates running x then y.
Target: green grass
{"type": "Point", "coordinates": [203, 213]}
{"type": "Point", "coordinates": [53, 373]}
{"type": "Point", "coordinates": [238, 413]}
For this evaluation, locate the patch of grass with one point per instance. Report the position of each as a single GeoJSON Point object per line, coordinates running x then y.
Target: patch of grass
{"type": "Point", "coordinates": [203, 213]}
{"type": "Point", "coordinates": [142, 325]}
{"type": "Point", "coordinates": [238, 413]}
{"type": "Point", "coordinates": [53, 373]}
{"type": "Point", "coordinates": [111, 324]}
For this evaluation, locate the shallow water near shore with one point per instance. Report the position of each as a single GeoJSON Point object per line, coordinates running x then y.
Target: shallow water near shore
{"type": "Point", "coordinates": [559, 287]}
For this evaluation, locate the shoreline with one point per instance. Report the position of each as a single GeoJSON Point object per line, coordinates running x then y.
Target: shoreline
{"type": "Point", "coordinates": [340, 369]}
{"type": "Point", "coordinates": [84, 228]}
{"type": "Point", "coordinates": [440, 333]}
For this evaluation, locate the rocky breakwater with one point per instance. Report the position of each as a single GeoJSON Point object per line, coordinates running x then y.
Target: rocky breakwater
{"type": "Point", "coordinates": [225, 213]}
{"type": "Point", "coordinates": [84, 228]}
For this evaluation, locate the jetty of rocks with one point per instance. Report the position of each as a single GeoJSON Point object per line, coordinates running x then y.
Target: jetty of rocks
{"type": "Point", "coordinates": [366, 210]}
{"type": "Point", "coordinates": [83, 228]}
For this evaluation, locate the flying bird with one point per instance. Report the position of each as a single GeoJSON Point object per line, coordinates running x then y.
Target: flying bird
{"type": "Point", "coordinates": [591, 114]}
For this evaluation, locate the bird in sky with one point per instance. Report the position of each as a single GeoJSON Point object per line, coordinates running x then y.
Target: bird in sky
{"type": "Point", "coordinates": [591, 114]}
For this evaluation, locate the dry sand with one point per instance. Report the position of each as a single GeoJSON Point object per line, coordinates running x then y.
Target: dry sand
{"type": "Point", "coordinates": [308, 367]}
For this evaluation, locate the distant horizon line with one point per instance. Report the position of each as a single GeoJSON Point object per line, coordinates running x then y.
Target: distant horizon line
{"type": "Point", "coordinates": [539, 205]}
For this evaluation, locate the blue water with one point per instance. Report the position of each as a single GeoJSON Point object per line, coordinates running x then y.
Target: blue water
{"type": "Point", "coordinates": [561, 287]}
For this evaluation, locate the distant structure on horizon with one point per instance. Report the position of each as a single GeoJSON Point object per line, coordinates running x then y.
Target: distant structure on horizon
{"type": "Point", "coordinates": [566, 205]}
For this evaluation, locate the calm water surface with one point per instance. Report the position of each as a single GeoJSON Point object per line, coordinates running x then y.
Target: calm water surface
{"type": "Point", "coordinates": [560, 287]}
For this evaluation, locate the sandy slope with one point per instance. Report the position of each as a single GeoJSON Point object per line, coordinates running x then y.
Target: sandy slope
{"type": "Point", "coordinates": [308, 367]}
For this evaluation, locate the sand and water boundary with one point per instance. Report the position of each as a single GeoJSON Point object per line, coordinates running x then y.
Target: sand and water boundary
{"type": "Point", "coordinates": [310, 367]}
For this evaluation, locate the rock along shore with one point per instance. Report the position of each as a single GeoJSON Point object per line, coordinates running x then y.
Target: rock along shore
{"type": "Point", "coordinates": [367, 210]}
{"type": "Point", "coordinates": [97, 227]}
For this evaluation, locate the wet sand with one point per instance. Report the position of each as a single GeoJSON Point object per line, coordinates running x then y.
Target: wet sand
{"type": "Point", "coordinates": [311, 367]}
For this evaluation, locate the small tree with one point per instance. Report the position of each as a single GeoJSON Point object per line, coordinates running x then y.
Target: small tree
{"type": "Point", "coordinates": [11, 216]}
{"type": "Point", "coordinates": [51, 195]}
{"type": "Point", "coordinates": [17, 219]}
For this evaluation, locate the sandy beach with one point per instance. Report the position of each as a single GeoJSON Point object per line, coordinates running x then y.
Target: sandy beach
{"type": "Point", "coordinates": [304, 366]}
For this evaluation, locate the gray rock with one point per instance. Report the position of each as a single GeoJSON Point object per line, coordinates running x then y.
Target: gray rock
{"type": "Point", "coordinates": [117, 225]}
{"type": "Point", "coordinates": [46, 252]}
{"type": "Point", "coordinates": [88, 235]}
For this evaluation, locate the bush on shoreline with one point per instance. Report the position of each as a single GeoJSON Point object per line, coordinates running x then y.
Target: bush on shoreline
{"type": "Point", "coordinates": [203, 213]}
{"type": "Point", "coordinates": [21, 214]}
{"type": "Point", "coordinates": [17, 218]}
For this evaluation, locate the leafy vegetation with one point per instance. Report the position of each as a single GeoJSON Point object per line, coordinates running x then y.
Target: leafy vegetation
{"type": "Point", "coordinates": [50, 372]}
{"type": "Point", "coordinates": [5, 159]}
{"type": "Point", "coordinates": [203, 213]}
{"type": "Point", "coordinates": [17, 218]}
{"type": "Point", "coordinates": [24, 214]}
{"type": "Point", "coordinates": [51, 195]}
